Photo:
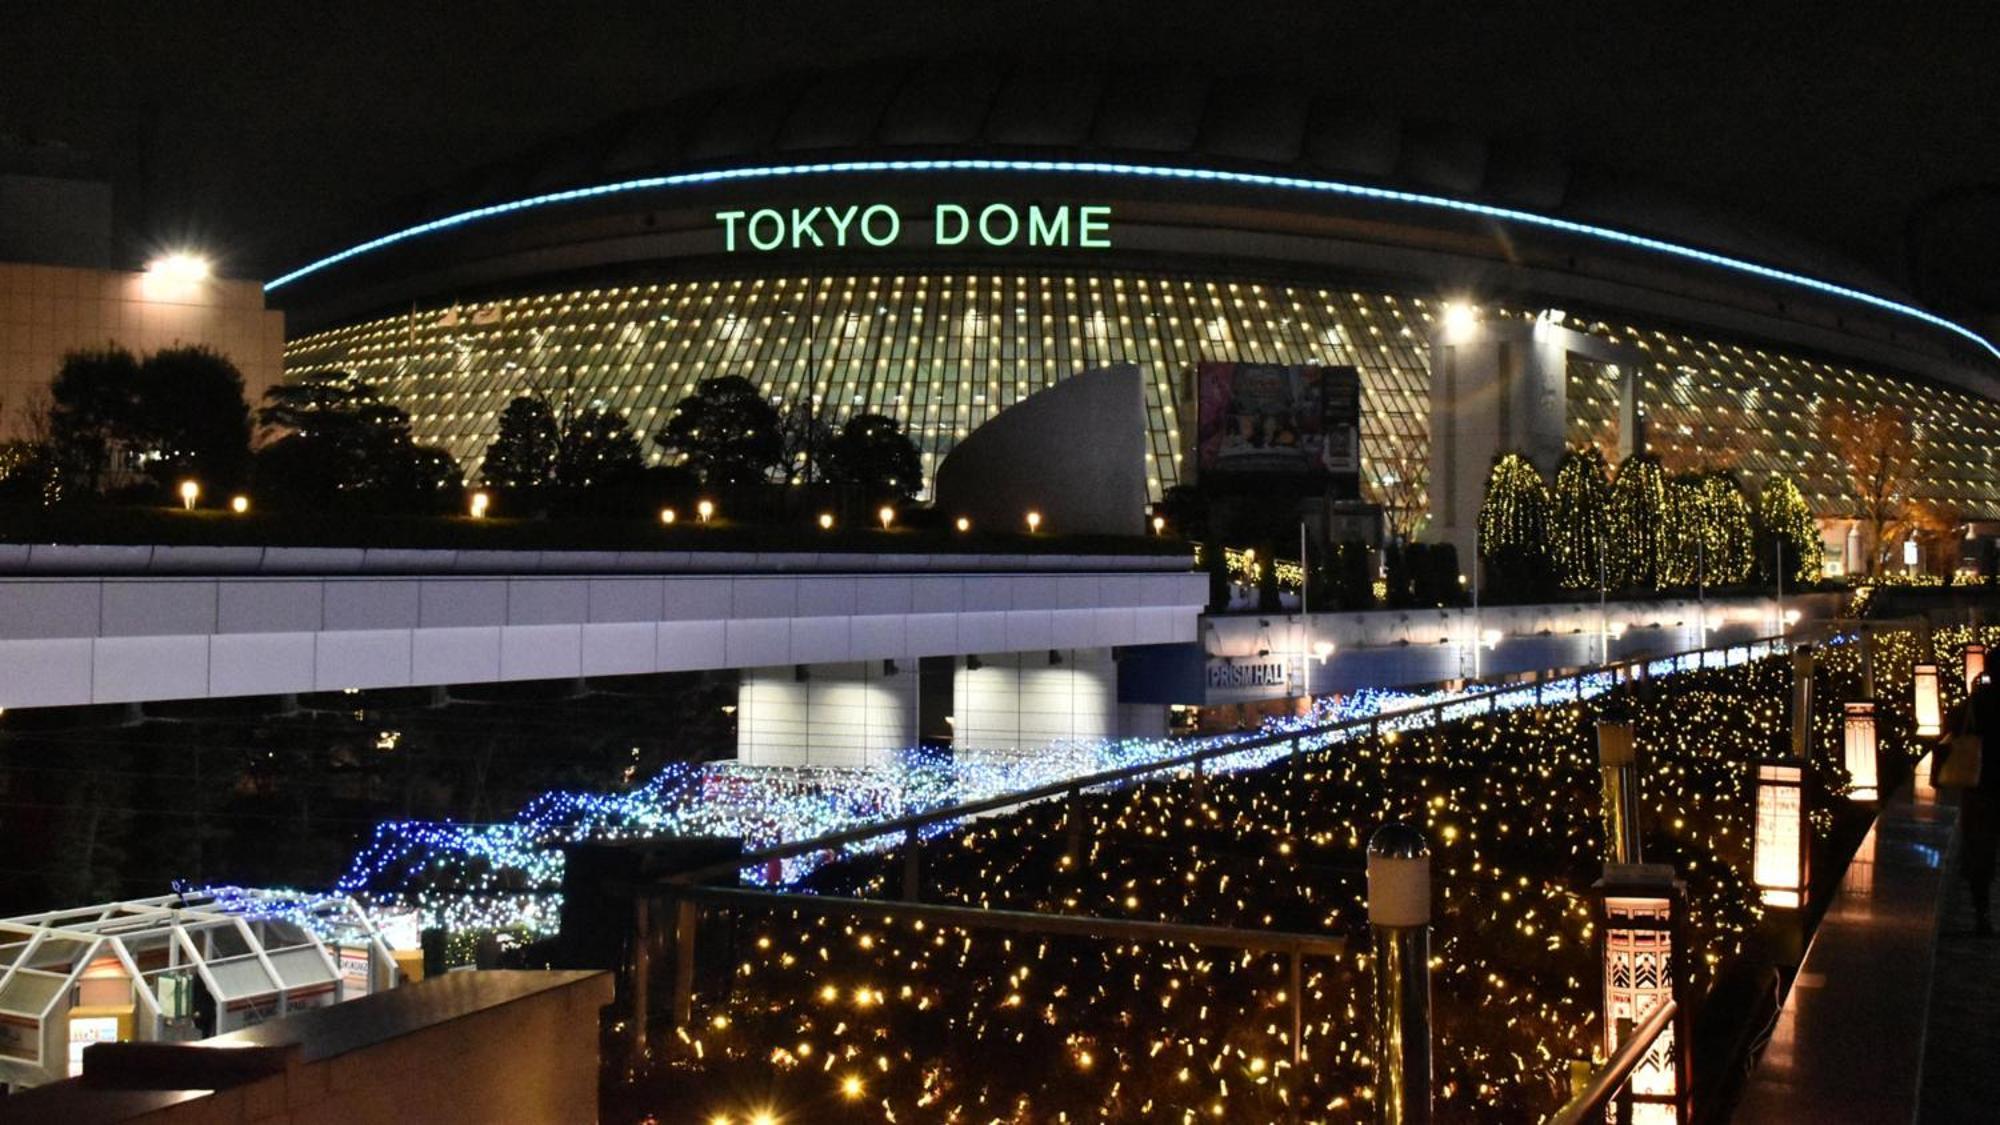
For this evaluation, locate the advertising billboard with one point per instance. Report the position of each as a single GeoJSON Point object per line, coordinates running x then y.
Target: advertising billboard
{"type": "Point", "coordinates": [1268, 419]}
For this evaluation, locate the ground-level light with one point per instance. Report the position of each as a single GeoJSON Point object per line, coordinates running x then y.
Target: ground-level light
{"type": "Point", "coordinates": [1858, 744]}
{"type": "Point", "coordinates": [1929, 712]}
{"type": "Point", "coordinates": [887, 515]}
{"type": "Point", "coordinates": [1034, 521]}
{"type": "Point", "coordinates": [705, 509]}
{"type": "Point", "coordinates": [239, 504]}
{"type": "Point", "coordinates": [190, 492]}
{"type": "Point", "coordinates": [480, 502]}
{"type": "Point", "coordinates": [668, 516]}
{"type": "Point", "coordinates": [1159, 525]}
{"type": "Point", "coordinates": [963, 524]}
{"type": "Point", "coordinates": [826, 521]}
{"type": "Point", "coordinates": [1780, 846]}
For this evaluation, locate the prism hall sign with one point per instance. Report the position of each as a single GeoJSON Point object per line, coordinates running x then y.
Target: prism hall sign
{"type": "Point", "coordinates": [880, 225]}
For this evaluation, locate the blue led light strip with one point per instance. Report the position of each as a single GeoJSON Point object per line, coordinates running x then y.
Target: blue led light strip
{"type": "Point", "coordinates": [1152, 171]}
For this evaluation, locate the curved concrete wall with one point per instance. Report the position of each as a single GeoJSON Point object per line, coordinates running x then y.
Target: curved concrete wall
{"type": "Point", "coordinates": [1075, 452]}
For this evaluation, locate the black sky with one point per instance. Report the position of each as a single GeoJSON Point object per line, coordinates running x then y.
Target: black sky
{"type": "Point", "coordinates": [273, 130]}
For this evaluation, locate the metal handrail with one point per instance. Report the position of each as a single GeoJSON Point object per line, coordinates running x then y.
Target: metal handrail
{"type": "Point", "coordinates": [1605, 1083]}
{"type": "Point", "coordinates": [1068, 925]}
{"type": "Point", "coordinates": [912, 824]}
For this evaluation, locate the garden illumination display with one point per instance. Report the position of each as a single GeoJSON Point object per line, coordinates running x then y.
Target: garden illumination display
{"type": "Point", "coordinates": [832, 1012]}
{"type": "Point", "coordinates": [809, 1009]}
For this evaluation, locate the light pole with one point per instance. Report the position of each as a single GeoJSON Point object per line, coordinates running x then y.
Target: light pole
{"type": "Point", "coordinates": [1603, 613]}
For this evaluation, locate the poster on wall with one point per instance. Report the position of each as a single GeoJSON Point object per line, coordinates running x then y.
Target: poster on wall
{"type": "Point", "coordinates": [1275, 420]}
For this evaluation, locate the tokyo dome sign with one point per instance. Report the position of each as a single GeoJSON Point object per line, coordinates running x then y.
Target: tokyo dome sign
{"type": "Point", "coordinates": [834, 226]}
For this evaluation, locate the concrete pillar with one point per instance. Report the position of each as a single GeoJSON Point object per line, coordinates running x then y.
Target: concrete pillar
{"type": "Point", "coordinates": [849, 714]}
{"type": "Point", "coordinates": [1026, 699]}
{"type": "Point", "coordinates": [1496, 387]}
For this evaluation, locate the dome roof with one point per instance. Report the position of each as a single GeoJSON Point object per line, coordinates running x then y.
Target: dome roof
{"type": "Point", "coordinates": [980, 107]}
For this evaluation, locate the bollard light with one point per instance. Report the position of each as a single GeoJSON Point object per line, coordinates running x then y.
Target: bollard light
{"type": "Point", "coordinates": [704, 510]}
{"type": "Point", "coordinates": [1639, 917]}
{"type": "Point", "coordinates": [826, 521]}
{"type": "Point", "coordinates": [190, 492]}
{"type": "Point", "coordinates": [668, 516]}
{"type": "Point", "coordinates": [1930, 716]}
{"type": "Point", "coordinates": [1779, 848]}
{"type": "Point", "coordinates": [963, 524]}
{"type": "Point", "coordinates": [1975, 665]}
{"type": "Point", "coordinates": [480, 502]}
{"type": "Point", "coordinates": [1159, 525]}
{"type": "Point", "coordinates": [887, 515]}
{"type": "Point", "coordinates": [239, 503]}
{"type": "Point", "coordinates": [1034, 521]}
{"type": "Point", "coordinates": [1858, 745]}
{"type": "Point", "coordinates": [1399, 920]}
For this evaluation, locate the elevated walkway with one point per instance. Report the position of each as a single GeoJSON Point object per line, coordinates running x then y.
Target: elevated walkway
{"type": "Point", "coordinates": [1856, 1041]}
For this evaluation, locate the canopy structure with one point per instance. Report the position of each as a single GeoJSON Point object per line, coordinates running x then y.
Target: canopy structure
{"type": "Point", "coordinates": [176, 967]}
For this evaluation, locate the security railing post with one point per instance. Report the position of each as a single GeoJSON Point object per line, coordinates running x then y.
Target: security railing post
{"type": "Point", "coordinates": [1399, 917]}
{"type": "Point", "coordinates": [684, 938]}
{"type": "Point", "coordinates": [1073, 844]}
{"type": "Point", "coordinates": [642, 974]}
{"type": "Point", "coordinates": [1617, 761]}
{"type": "Point", "coordinates": [1297, 996]}
{"type": "Point", "coordinates": [1802, 700]}
{"type": "Point", "coordinates": [913, 858]}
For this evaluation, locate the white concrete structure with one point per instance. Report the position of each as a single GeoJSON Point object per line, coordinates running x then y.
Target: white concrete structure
{"type": "Point", "coordinates": [1500, 386]}
{"type": "Point", "coordinates": [280, 628]}
{"type": "Point", "coordinates": [849, 714]}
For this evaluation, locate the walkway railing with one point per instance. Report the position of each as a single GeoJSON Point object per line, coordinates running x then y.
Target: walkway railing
{"type": "Point", "coordinates": [687, 901]}
{"type": "Point", "coordinates": [1613, 1079]}
{"type": "Point", "coordinates": [1282, 745]}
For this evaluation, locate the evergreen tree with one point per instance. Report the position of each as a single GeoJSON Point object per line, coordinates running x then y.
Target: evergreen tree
{"type": "Point", "coordinates": [597, 448]}
{"type": "Point", "coordinates": [1638, 508]}
{"type": "Point", "coordinates": [1582, 499]}
{"type": "Point", "coordinates": [1728, 538]}
{"type": "Point", "coordinates": [94, 401]}
{"type": "Point", "coordinates": [1684, 550]}
{"type": "Point", "coordinates": [192, 420]}
{"type": "Point", "coordinates": [1514, 531]}
{"type": "Point", "coordinates": [873, 456]}
{"type": "Point", "coordinates": [1787, 530]}
{"type": "Point", "coordinates": [726, 432]}
{"type": "Point", "coordinates": [521, 461]}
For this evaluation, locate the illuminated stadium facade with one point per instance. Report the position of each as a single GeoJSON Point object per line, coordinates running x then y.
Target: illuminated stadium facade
{"type": "Point", "coordinates": [935, 245]}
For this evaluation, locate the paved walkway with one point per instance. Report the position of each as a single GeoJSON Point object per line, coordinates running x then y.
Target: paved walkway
{"type": "Point", "coordinates": [1849, 1041]}
{"type": "Point", "coordinates": [1961, 1066]}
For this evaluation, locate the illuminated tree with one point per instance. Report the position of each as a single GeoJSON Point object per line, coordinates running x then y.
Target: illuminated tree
{"type": "Point", "coordinates": [1638, 508]}
{"type": "Point", "coordinates": [1581, 498]}
{"type": "Point", "coordinates": [1683, 549]}
{"type": "Point", "coordinates": [1514, 530]}
{"type": "Point", "coordinates": [1728, 539]}
{"type": "Point", "coordinates": [1882, 458]}
{"type": "Point", "coordinates": [1788, 530]}
{"type": "Point", "coordinates": [1403, 491]}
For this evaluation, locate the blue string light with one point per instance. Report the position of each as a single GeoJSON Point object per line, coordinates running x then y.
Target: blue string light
{"type": "Point", "coordinates": [1149, 171]}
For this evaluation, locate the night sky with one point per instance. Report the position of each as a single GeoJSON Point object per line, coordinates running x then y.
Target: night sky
{"type": "Point", "coordinates": [270, 131]}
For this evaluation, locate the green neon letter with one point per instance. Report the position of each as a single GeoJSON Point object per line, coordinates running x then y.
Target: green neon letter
{"type": "Point", "coordinates": [1049, 230]}
{"type": "Point", "coordinates": [1093, 227]}
{"type": "Point", "coordinates": [777, 235]}
{"type": "Point", "coordinates": [802, 225]}
{"type": "Point", "coordinates": [1013, 227]}
{"type": "Point", "coordinates": [964, 224]}
{"type": "Point", "coordinates": [894, 224]}
{"type": "Point", "coordinates": [728, 220]}
{"type": "Point", "coordinates": [840, 220]}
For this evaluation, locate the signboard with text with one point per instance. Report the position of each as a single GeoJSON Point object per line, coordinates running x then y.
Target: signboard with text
{"type": "Point", "coordinates": [1268, 420]}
